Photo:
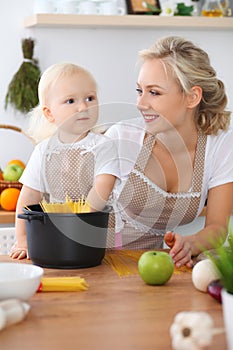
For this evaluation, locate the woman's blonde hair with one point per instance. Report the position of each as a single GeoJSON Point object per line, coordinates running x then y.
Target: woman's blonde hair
{"type": "Point", "coordinates": [191, 67]}
{"type": "Point", "coordinates": [39, 126]}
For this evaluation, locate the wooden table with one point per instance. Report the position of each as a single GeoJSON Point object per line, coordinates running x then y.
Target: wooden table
{"type": "Point", "coordinates": [114, 313]}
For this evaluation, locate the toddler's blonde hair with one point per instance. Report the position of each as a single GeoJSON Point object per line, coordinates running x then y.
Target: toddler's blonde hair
{"type": "Point", "coordinates": [39, 126]}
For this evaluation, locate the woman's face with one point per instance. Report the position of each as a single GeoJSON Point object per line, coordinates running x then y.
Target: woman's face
{"type": "Point", "coordinates": [73, 103]}
{"type": "Point", "coordinates": [160, 100]}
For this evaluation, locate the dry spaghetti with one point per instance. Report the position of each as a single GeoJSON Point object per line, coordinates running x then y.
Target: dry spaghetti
{"type": "Point", "coordinates": [125, 262]}
{"type": "Point", "coordinates": [63, 284]}
{"type": "Point", "coordinates": [77, 207]}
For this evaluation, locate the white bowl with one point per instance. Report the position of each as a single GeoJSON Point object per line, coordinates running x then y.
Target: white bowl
{"type": "Point", "coordinates": [18, 280]}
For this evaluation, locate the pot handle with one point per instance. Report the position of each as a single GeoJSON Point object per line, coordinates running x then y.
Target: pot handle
{"type": "Point", "coordinates": [31, 217]}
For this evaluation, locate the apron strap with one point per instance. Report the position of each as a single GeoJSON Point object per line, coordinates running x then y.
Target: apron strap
{"type": "Point", "coordinates": [145, 152]}
{"type": "Point", "coordinates": [198, 172]}
{"type": "Point", "coordinates": [199, 163]}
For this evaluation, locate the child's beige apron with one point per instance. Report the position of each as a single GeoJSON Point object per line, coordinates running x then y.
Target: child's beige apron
{"type": "Point", "coordinates": [147, 211]}
{"type": "Point", "coordinates": [69, 171]}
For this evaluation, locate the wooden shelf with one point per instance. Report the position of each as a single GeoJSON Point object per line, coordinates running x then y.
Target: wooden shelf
{"type": "Point", "coordinates": [127, 21]}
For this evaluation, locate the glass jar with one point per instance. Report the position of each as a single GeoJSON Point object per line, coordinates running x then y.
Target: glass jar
{"type": "Point", "coordinates": [212, 8]}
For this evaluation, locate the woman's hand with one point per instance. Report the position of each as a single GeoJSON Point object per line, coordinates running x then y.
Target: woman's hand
{"type": "Point", "coordinates": [180, 249]}
{"type": "Point", "coordinates": [18, 252]}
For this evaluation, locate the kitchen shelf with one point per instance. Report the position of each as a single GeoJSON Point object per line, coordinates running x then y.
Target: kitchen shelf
{"type": "Point", "coordinates": [127, 21]}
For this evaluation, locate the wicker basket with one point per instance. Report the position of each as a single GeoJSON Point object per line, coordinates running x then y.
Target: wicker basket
{"type": "Point", "coordinates": [9, 184]}
{"type": "Point", "coordinates": [15, 184]}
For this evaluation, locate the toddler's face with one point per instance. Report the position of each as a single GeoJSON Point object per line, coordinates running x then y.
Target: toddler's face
{"type": "Point", "coordinates": [73, 103]}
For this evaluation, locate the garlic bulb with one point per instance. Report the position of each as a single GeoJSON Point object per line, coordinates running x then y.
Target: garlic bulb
{"type": "Point", "coordinates": [191, 330]}
{"type": "Point", "coordinates": [203, 273]}
{"type": "Point", "coordinates": [12, 311]}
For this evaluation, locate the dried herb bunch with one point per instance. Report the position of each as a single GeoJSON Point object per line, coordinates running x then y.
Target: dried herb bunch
{"type": "Point", "coordinates": [22, 90]}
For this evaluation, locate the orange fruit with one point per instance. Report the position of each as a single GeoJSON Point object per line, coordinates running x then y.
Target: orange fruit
{"type": "Point", "coordinates": [1, 174]}
{"type": "Point", "coordinates": [17, 161]}
{"type": "Point", "coordinates": [9, 198]}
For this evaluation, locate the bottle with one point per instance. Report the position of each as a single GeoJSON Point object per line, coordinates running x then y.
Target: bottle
{"type": "Point", "coordinates": [212, 8]}
{"type": "Point", "coordinates": [227, 7]}
{"type": "Point", "coordinates": [196, 8]}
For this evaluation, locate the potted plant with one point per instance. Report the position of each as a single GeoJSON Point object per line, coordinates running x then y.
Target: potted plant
{"type": "Point", "coordinates": [223, 261]}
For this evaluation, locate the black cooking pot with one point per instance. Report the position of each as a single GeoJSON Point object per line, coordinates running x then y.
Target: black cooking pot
{"type": "Point", "coordinates": [66, 241]}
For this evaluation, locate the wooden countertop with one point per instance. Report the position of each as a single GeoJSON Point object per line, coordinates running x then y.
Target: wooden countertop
{"type": "Point", "coordinates": [7, 217]}
{"type": "Point", "coordinates": [114, 313]}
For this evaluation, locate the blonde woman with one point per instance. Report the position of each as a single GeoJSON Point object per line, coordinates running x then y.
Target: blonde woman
{"type": "Point", "coordinates": [182, 153]}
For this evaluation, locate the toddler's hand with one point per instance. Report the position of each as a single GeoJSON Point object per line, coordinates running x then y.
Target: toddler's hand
{"type": "Point", "coordinates": [18, 252]}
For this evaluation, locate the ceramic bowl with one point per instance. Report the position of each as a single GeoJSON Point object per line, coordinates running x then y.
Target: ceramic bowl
{"type": "Point", "coordinates": [18, 280]}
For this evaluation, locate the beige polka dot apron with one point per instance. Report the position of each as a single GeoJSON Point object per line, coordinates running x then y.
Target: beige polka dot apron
{"type": "Point", "coordinates": [147, 211]}
{"type": "Point", "coordinates": [69, 170]}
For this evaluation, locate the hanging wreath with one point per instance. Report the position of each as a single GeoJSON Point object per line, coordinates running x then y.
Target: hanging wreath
{"type": "Point", "coordinates": [22, 91]}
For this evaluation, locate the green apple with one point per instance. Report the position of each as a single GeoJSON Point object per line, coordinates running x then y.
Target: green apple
{"type": "Point", "coordinates": [12, 172]}
{"type": "Point", "coordinates": [155, 267]}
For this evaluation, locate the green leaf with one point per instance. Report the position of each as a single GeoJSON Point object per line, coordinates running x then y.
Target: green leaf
{"type": "Point", "coordinates": [153, 8]}
{"type": "Point", "coordinates": [222, 259]}
{"type": "Point", "coordinates": [183, 10]}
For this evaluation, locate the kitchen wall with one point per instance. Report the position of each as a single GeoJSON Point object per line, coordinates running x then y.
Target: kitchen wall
{"type": "Point", "coordinates": [110, 54]}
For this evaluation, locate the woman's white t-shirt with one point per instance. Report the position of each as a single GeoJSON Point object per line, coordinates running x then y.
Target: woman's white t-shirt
{"type": "Point", "coordinates": [218, 168]}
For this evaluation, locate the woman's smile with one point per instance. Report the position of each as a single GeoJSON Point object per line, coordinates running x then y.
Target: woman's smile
{"type": "Point", "coordinates": [150, 117]}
